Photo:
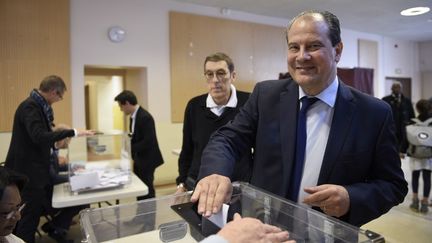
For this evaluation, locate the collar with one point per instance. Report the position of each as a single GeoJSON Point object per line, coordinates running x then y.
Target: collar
{"type": "Point", "coordinates": [232, 102]}
{"type": "Point", "coordinates": [135, 112]}
{"type": "Point", "coordinates": [328, 95]}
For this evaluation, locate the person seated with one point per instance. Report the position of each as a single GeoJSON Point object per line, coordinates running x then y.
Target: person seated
{"type": "Point", "coordinates": [11, 205]}
{"type": "Point", "coordinates": [59, 163]}
{"type": "Point", "coordinates": [62, 218]}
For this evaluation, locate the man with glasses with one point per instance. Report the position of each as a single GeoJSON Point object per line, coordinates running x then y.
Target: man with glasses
{"type": "Point", "coordinates": [11, 184]}
{"type": "Point", "coordinates": [30, 149]}
{"type": "Point", "coordinates": [204, 114]}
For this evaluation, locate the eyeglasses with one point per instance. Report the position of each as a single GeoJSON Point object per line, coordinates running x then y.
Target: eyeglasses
{"type": "Point", "coordinates": [220, 75]}
{"type": "Point", "coordinates": [9, 215]}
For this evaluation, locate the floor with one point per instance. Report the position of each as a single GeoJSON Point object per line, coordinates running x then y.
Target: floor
{"type": "Point", "coordinates": [399, 225]}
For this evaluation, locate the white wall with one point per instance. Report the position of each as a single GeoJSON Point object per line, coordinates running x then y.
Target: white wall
{"type": "Point", "coordinates": [425, 54]}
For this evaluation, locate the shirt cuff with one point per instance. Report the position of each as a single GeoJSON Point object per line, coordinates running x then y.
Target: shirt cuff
{"type": "Point", "coordinates": [75, 133]}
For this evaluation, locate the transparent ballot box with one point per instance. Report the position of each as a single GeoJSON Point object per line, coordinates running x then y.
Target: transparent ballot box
{"type": "Point", "coordinates": [99, 162]}
{"type": "Point", "coordinates": [174, 219]}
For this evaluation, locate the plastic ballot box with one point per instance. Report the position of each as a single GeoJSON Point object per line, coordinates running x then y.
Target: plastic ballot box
{"type": "Point", "coordinates": [174, 219]}
{"type": "Point", "coordinates": [99, 162]}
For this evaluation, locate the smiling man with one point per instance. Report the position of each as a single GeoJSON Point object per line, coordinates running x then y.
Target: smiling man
{"type": "Point", "coordinates": [204, 114]}
{"type": "Point", "coordinates": [316, 141]}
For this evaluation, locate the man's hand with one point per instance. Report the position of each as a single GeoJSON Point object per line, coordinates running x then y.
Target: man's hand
{"type": "Point", "coordinates": [211, 192]}
{"type": "Point", "coordinates": [245, 230]}
{"type": "Point", "coordinates": [82, 133]}
{"type": "Point", "coordinates": [332, 199]}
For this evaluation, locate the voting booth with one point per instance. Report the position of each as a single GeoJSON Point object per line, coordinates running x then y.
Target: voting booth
{"type": "Point", "coordinates": [99, 162]}
{"type": "Point", "coordinates": [174, 219]}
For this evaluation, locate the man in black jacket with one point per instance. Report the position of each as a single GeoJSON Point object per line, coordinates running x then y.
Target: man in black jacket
{"type": "Point", "coordinates": [30, 149]}
{"type": "Point", "coordinates": [206, 113]}
{"type": "Point", "coordinates": [403, 111]}
{"type": "Point", "coordinates": [144, 145]}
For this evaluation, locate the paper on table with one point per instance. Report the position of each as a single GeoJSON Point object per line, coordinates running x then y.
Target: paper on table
{"type": "Point", "coordinates": [220, 218]}
{"type": "Point", "coordinates": [84, 180]}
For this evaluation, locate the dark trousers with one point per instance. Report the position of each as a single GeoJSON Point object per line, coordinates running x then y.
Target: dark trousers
{"type": "Point", "coordinates": [38, 203]}
{"type": "Point", "coordinates": [62, 217]}
{"type": "Point", "coordinates": [146, 175]}
{"type": "Point", "coordinates": [426, 181]}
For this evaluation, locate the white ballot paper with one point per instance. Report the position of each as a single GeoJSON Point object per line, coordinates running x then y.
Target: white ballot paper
{"type": "Point", "coordinates": [84, 180]}
{"type": "Point", "coordinates": [220, 218]}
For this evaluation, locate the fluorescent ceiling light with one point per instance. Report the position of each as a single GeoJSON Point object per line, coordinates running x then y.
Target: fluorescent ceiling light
{"type": "Point", "coordinates": [414, 11]}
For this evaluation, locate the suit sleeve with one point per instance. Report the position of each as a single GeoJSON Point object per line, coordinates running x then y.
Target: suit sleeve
{"type": "Point", "coordinates": [385, 186]}
{"type": "Point", "coordinates": [37, 129]}
{"type": "Point", "coordinates": [145, 126]}
{"type": "Point", "coordinates": [186, 154]}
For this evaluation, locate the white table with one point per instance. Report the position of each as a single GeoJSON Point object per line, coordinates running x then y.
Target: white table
{"type": "Point", "coordinates": [62, 197]}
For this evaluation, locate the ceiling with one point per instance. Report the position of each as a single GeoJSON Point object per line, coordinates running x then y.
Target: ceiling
{"type": "Point", "coordinates": [372, 16]}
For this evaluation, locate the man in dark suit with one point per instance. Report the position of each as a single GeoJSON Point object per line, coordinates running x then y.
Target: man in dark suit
{"type": "Point", "coordinates": [403, 112]}
{"type": "Point", "coordinates": [30, 149]}
{"type": "Point", "coordinates": [349, 166]}
{"type": "Point", "coordinates": [144, 145]}
{"type": "Point", "coordinates": [204, 114]}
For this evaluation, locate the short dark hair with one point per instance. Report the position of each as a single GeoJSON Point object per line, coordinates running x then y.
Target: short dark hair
{"type": "Point", "coordinates": [423, 107]}
{"type": "Point", "coordinates": [220, 56]}
{"type": "Point", "coordinates": [9, 177]}
{"type": "Point", "coordinates": [126, 95]}
{"type": "Point", "coordinates": [332, 21]}
{"type": "Point", "coordinates": [52, 82]}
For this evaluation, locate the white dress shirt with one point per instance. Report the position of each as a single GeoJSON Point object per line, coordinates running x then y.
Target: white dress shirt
{"type": "Point", "coordinates": [133, 116]}
{"type": "Point", "coordinates": [319, 118]}
{"type": "Point", "coordinates": [219, 109]}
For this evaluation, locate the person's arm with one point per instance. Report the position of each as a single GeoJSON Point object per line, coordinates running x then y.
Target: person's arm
{"type": "Point", "coordinates": [186, 154]}
{"type": "Point", "coordinates": [34, 122]}
{"type": "Point", "coordinates": [246, 230]}
{"type": "Point", "coordinates": [361, 202]}
{"type": "Point", "coordinates": [386, 186]}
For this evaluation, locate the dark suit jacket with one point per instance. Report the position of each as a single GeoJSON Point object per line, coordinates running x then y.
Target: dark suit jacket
{"type": "Point", "coordinates": [144, 145]}
{"type": "Point", "coordinates": [361, 152]}
{"type": "Point", "coordinates": [31, 143]}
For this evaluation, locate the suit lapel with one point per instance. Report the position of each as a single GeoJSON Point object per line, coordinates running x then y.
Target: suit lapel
{"type": "Point", "coordinates": [288, 123]}
{"type": "Point", "coordinates": [342, 119]}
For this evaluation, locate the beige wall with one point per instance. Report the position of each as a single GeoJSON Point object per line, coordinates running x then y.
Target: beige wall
{"type": "Point", "coordinates": [34, 43]}
{"type": "Point", "coordinates": [5, 138]}
{"type": "Point", "coordinates": [169, 137]}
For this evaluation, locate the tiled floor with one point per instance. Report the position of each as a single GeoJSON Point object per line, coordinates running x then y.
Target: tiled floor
{"type": "Point", "coordinates": [399, 225]}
